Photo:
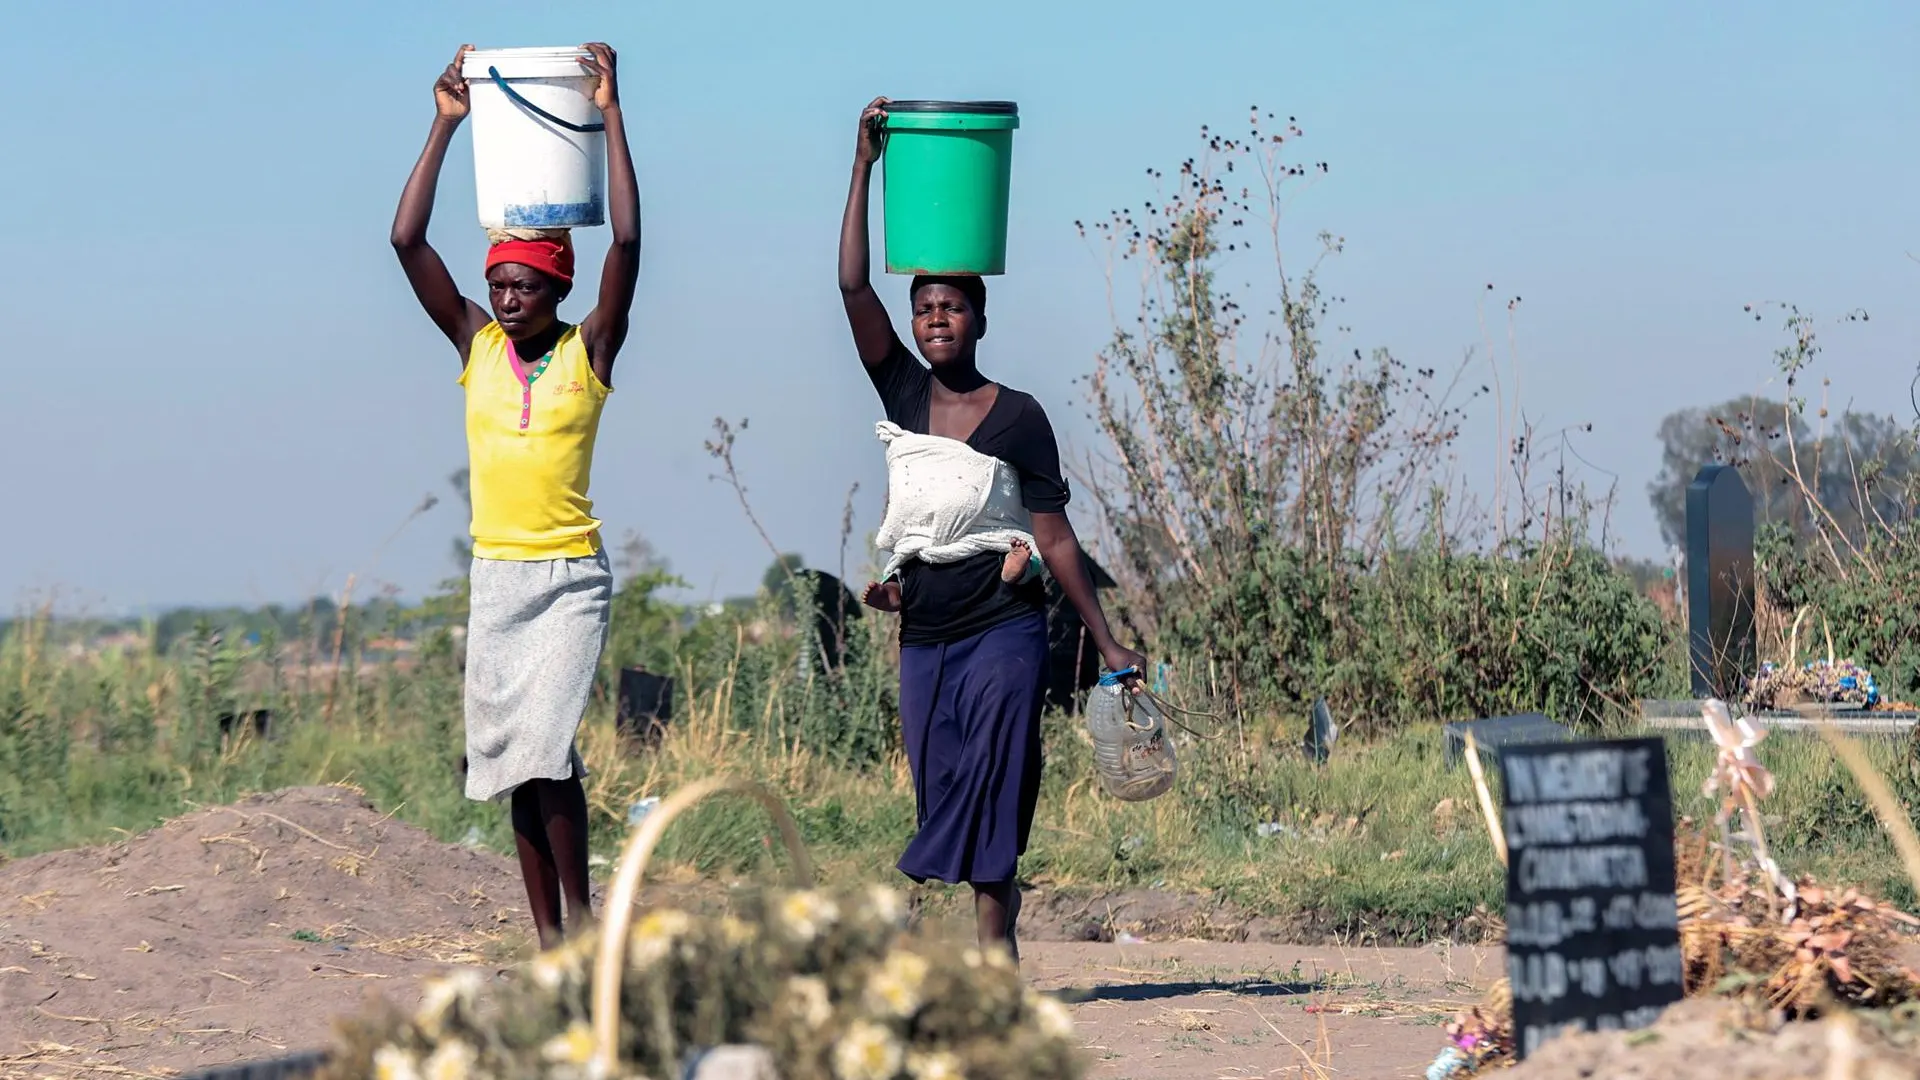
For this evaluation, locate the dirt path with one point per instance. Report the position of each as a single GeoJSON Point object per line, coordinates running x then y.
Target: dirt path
{"type": "Point", "coordinates": [1206, 1010]}
{"type": "Point", "coordinates": [238, 933]}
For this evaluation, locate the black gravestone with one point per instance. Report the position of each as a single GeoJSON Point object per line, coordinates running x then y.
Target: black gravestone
{"type": "Point", "coordinates": [1495, 732]}
{"type": "Point", "coordinates": [1593, 931]}
{"type": "Point", "coordinates": [1720, 592]}
{"type": "Point", "coordinates": [1073, 663]}
{"type": "Point", "coordinates": [644, 705]}
{"type": "Point", "coordinates": [260, 720]}
{"type": "Point", "coordinates": [836, 611]}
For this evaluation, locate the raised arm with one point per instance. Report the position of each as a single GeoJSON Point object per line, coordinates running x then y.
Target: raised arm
{"type": "Point", "coordinates": [873, 333]}
{"type": "Point", "coordinates": [605, 328]}
{"type": "Point", "coordinates": [455, 315]}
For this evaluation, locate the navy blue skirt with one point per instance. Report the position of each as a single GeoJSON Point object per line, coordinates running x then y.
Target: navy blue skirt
{"type": "Point", "coordinates": [970, 718]}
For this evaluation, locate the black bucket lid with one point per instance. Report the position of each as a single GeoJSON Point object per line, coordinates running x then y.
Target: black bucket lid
{"type": "Point", "coordinates": [978, 108]}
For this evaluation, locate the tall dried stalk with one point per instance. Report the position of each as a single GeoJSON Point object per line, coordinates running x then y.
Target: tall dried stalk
{"type": "Point", "coordinates": [339, 639]}
{"type": "Point", "coordinates": [1886, 806]}
{"type": "Point", "coordinates": [804, 592]}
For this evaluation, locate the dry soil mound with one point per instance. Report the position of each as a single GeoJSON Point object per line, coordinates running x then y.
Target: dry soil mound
{"type": "Point", "coordinates": [1705, 1038]}
{"type": "Point", "coordinates": [235, 933]}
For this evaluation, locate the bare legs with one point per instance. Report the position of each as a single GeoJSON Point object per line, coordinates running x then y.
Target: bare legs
{"type": "Point", "coordinates": [550, 833]}
{"type": "Point", "coordinates": [996, 909]}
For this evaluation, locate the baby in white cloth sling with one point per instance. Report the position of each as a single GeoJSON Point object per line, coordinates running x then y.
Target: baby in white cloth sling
{"type": "Point", "coordinates": [946, 502]}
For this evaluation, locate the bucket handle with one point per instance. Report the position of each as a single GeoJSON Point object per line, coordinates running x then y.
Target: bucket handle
{"type": "Point", "coordinates": [514, 96]}
{"type": "Point", "coordinates": [618, 906]}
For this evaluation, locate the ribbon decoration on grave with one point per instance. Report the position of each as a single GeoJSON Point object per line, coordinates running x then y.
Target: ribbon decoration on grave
{"type": "Point", "coordinates": [1738, 773]}
{"type": "Point", "coordinates": [1737, 768]}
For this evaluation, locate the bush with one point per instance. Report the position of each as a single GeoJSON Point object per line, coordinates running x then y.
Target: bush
{"type": "Point", "coordinates": [1257, 497]}
{"type": "Point", "coordinates": [1863, 594]}
{"type": "Point", "coordinates": [1550, 628]}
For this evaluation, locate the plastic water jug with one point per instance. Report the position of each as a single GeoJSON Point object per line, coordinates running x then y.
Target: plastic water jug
{"type": "Point", "coordinates": [1131, 752]}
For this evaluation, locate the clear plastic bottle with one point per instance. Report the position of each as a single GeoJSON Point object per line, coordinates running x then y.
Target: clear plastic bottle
{"type": "Point", "coordinates": [1131, 752]}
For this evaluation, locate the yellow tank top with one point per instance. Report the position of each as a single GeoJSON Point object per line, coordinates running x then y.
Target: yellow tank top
{"type": "Point", "coordinates": [530, 434]}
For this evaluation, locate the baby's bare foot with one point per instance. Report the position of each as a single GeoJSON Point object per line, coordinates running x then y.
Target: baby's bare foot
{"type": "Point", "coordinates": [1015, 566]}
{"type": "Point", "coordinates": [881, 595]}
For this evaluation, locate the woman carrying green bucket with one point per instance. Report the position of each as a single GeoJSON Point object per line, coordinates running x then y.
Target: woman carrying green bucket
{"type": "Point", "coordinates": [974, 484]}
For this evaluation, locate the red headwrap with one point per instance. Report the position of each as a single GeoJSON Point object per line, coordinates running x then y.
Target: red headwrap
{"type": "Point", "coordinates": [550, 257]}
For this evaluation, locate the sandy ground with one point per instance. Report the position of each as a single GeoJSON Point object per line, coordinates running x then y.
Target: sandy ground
{"type": "Point", "coordinates": [1206, 1010]}
{"type": "Point", "coordinates": [235, 933]}
{"type": "Point", "coordinates": [238, 933]}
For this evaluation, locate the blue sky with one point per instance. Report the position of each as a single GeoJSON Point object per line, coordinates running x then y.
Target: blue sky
{"type": "Point", "coordinates": [224, 392]}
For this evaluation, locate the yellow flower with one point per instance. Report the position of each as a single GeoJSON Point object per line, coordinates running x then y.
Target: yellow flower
{"type": "Point", "coordinates": [440, 997]}
{"type": "Point", "coordinates": [888, 905]}
{"type": "Point", "coordinates": [939, 1065]}
{"type": "Point", "coordinates": [736, 932]}
{"type": "Point", "coordinates": [549, 970]}
{"type": "Point", "coordinates": [810, 1001]}
{"type": "Point", "coordinates": [580, 951]}
{"type": "Point", "coordinates": [894, 990]}
{"type": "Point", "coordinates": [1053, 1017]}
{"type": "Point", "coordinates": [573, 1046]}
{"type": "Point", "coordinates": [393, 1063]}
{"type": "Point", "coordinates": [666, 922]}
{"type": "Point", "coordinates": [806, 915]}
{"type": "Point", "coordinates": [909, 966]}
{"type": "Point", "coordinates": [452, 1061]}
{"type": "Point", "coordinates": [867, 1052]}
{"type": "Point", "coordinates": [652, 937]}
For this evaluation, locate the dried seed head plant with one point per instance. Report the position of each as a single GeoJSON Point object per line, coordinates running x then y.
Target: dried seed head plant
{"type": "Point", "coordinates": [1252, 479]}
{"type": "Point", "coordinates": [829, 984]}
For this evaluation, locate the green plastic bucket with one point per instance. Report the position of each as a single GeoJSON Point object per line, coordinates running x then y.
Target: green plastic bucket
{"type": "Point", "coordinates": [949, 167]}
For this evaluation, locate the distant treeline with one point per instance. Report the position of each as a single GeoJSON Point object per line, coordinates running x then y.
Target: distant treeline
{"type": "Point", "coordinates": [314, 622]}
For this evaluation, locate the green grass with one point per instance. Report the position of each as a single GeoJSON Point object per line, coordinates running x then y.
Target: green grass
{"type": "Point", "coordinates": [1382, 841]}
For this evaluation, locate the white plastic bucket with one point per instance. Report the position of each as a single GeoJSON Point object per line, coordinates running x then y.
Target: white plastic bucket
{"type": "Point", "coordinates": [529, 171]}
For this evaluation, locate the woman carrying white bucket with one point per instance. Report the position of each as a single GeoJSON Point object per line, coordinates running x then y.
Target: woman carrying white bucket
{"type": "Point", "coordinates": [535, 387]}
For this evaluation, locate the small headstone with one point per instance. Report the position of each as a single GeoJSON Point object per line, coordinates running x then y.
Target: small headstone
{"type": "Point", "coordinates": [644, 705]}
{"type": "Point", "coordinates": [260, 720]}
{"type": "Point", "coordinates": [1593, 929]}
{"type": "Point", "coordinates": [1321, 732]}
{"type": "Point", "coordinates": [1073, 662]}
{"type": "Point", "coordinates": [836, 612]}
{"type": "Point", "coordinates": [1720, 586]}
{"type": "Point", "coordinates": [1495, 732]}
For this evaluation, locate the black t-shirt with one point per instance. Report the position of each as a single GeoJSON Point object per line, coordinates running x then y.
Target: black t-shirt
{"type": "Point", "coordinates": [948, 602]}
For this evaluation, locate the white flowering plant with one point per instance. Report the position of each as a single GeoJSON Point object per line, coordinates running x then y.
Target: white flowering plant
{"type": "Point", "coordinates": [832, 985]}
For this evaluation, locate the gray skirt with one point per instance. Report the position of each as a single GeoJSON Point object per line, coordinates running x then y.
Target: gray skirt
{"type": "Point", "coordinates": [534, 638]}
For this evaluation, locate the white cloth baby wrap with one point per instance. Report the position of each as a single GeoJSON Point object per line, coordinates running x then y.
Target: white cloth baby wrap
{"type": "Point", "coordinates": [947, 501]}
